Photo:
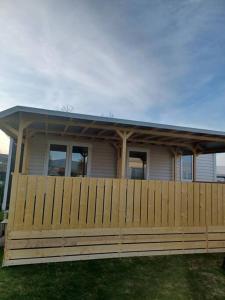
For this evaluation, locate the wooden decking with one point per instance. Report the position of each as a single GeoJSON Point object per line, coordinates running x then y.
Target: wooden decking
{"type": "Point", "coordinates": [63, 218]}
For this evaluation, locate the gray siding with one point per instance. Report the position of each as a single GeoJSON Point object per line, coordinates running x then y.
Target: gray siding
{"type": "Point", "coordinates": [103, 160]}
{"type": "Point", "coordinates": [160, 163]}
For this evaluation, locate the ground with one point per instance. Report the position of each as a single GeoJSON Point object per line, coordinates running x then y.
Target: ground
{"type": "Point", "coordinates": [163, 277]}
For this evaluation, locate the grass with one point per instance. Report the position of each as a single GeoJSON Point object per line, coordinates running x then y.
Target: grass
{"type": "Point", "coordinates": [163, 277]}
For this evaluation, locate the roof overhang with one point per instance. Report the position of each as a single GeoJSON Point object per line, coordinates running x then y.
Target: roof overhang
{"type": "Point", "coordinates": [183, 139]}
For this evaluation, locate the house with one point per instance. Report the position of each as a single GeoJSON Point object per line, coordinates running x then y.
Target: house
{"type": "Point", "coordinates": [112, 161]}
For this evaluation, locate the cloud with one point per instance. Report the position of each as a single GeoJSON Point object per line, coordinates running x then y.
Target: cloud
{"type": "Point", "coordinates": [156, 61]}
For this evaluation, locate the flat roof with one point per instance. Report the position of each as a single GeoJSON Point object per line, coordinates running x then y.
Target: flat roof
{"type": "Point", "coordinates": [186, 139]}
{"type": "Point", "coordinates": [109, 120]}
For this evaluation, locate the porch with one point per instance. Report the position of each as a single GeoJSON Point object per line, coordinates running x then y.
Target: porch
{"type": "Point", "coordinates": [56, 218]}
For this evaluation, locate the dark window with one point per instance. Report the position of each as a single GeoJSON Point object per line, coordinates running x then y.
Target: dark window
{"type": "Point", "coordinates": [57, 160]}
{"type": "Point", "coordinates": [137, 164]}
{"type": "Point", "coordinates": [79, 161]}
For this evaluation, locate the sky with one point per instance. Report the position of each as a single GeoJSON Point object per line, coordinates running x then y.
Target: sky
{"type": "Point", "coordinates": [157, 61]}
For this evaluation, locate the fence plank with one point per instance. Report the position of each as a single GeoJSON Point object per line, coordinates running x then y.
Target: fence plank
{"type": "Point", "coordinates": [75, 202]}
{"type": "Point", "coordinates": [130, 202]}
{"type": "Point", "coordinates": [171, 217]}
{"type": "Point", "coordinates": [29, 210]}
{"type": "Point", "coordinates": [220, 204]}
{"type": "Point", "coordinates": [165, 200]}
{"type": "Point", "coordinates": [209, 204]}
{"type": "Point", "coordinates": [178, 204]}
{"type": "Point", "coordinates": [123, 202]}
{"type": "Point", "coordinates": [151, 203]}
{"type": "Point", "coordinates": [158, 203]}
{"type": "Point", "coordinates": [66, 205]}
{"type": "Point", "coordinates": [40, 202]}
{"type": "Point", "coordinates": [214, 204]}
{"type": "Point", "coordinates": [57, 208]}
{"type": "Point", "coordinates": [20, 202]}
{"type": "Point", "coordinates": [83, 202]}
{"type": "Point", "coordinates": [196, 204]}
{"type": "Point", "coordinates": [144, 203]}
{"type": "Point", "coordinates": [137, 202]}
{"type": "Point", "coordinates": [190, 205]}
{"type": "Point", "coordinates": [99, 202]}
{"type": "Point", "coordinates": [184, 208]}
{"type": "Point", "coordinates": [202, 204]}
{"type": "Point", "coordinates": [115, 203]}
{"type": "Point", "coordinates": [108, 203]}
{"type": "Point", "coordinates": [91, 202]}
{"type": "Point", "coordinates": [49, 202]}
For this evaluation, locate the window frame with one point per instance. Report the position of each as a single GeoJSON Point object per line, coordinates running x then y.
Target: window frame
{"type": "Point", "coordinates": [69, 145]}
{"type": "Point", "coordinates": [181, 169]}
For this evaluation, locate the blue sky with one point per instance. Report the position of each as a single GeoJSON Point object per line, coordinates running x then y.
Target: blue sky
{"type": "Point", "coordinates": [159, 61]}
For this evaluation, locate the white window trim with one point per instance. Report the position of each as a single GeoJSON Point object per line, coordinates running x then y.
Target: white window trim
{"type": "Point", "coordinates": [69, 145]}
{"type": "Point", "coordinates": [139, 149]}
{"type": "Point", "coordinates": [181, 169]}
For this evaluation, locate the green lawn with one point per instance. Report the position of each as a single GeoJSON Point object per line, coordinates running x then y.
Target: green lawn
{"type": "Point", "coordinates": [164, 277]}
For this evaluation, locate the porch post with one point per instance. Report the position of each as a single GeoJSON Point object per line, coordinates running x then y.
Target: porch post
{"type": "Point", "coordinates": [124, 136]}
{"type": "Point", "coordinates": [25, 155]}
{"type": "Point", "coordinates": [18, 147]}
{"type": "Point", "coordinates": [175, 166]}
{"type": "Point", "coordinates": [194, 166]}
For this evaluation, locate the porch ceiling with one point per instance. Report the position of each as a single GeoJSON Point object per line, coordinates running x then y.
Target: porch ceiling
{"type": "Point", "coordinates": [180, 139]}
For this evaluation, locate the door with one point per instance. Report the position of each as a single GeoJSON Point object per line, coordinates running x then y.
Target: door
{"type": "Point", "coordinates": [137, 165]}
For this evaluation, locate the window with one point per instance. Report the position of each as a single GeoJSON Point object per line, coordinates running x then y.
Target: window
{"type": "Point", "coordinates": [57, 160]}
{"type": "Point", "coordinates": [187, 167]}
{"type": "Point", "coordinates": [137, 164]}
{"type": "Point", "coordinates": [79, 161]}
{"type": "Point", "coordinates": [68, 160]}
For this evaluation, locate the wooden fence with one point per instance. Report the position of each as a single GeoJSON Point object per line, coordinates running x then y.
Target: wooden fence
{"type": "Point", "coordinates": [64, 218]}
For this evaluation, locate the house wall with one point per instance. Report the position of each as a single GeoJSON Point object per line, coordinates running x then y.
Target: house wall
{"type": "Point", "coordinates": [104, 161]}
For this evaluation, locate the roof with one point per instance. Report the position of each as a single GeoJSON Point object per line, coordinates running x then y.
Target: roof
{"type": "Point", "coordinates": [209, 140]}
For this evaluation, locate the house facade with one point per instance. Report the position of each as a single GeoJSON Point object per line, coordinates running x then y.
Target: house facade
{"type": "Point", "coordinates": [87, 187]}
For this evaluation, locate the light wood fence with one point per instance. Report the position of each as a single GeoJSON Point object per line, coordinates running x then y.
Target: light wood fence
{"type": "Point", "coordinates": [64, 218]}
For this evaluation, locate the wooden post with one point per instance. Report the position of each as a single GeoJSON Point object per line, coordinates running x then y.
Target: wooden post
{"type": "Point", "coordinates": [194, 166]}
{"type": "Point", "coordinates": [175, 167]}
{"type": "Point", "coordinates": [124, 136]}
{"type": "Point", "coordinates": [25, 155]}
{"type": "Point", "coordinates": [19, 147]}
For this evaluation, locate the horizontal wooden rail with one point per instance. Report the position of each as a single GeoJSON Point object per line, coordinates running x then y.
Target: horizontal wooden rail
{"type": "Point", "coordinates": [72, 207]}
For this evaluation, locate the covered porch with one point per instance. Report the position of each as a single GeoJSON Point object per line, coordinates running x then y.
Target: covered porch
{"type": "Point", "coordinates": [72, 215]}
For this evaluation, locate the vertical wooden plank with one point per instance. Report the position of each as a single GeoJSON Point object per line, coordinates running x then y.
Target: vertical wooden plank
{"type": "Point", "coordinates": [137, 202]}
{"type": "Point", "coordinates": [196, 204]}
{"type": "Point", "coordinates": [223, 185]}
{"type": "Point", "coordinates": [177, 203]}
{"type": "Point", "coordinates": [75, 202]}
{"type": "Point", "coordinates": [40, 202]}
{"type": "Point", "coordinates": [184, 208]}
{"type": "Point", "coordinates": [66, 205]}
{"type": "Point", "coordinates": [130, 202]}
{"type": "Point", "coordinates": [151, 203]}
{"type": "Point", "coordinates": [208, 204]}
{"type": "Point", "coordinates": [58, 197]}
{"type": "Point", "coordinates": [165, 200]}
{"type": "Point", "coordinates": [20, 202]}
{"type": "Point", "coordinates": [144, 203]}
{"type": "Point", "coordinates": [122, 202]}
{"type": "Point", "coordinates": [99, 202]}
{"type": "Point", "coordinates": [202, 204]}
{"type": "Point", "coordinates": [13, 200]}
{"type": "Point", "coordinates": [171, 203]}
{"type": "Point", "coordinates": [49, 200]}
{"type": "Point", "coordinates": [158, 203]}
{"type": "Point", "coordinates": [190, 204]}
{"type": "Point", "coordinates": [29, 210]}
{"type": "Point", "coordinates": [115, 203]}
{"type": "Point", "coordinates": [83, 201]}
{"type": "Point", "coordinates": [220, 204]}
{"type": "Point", "coordinates": [92, 202]}
{"type": "Point", "coordinates": [214, 204]}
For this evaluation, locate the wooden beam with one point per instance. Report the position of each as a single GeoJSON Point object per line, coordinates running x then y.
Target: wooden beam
{"type": "Point", "coordinates": [19, 147]}
{"type": "Point", "coordinates": [154, 132]}
{"type": "Point", "coordinates": [194, 161]}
